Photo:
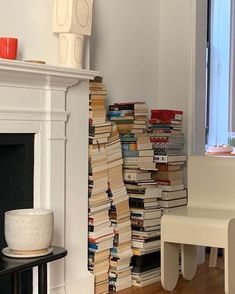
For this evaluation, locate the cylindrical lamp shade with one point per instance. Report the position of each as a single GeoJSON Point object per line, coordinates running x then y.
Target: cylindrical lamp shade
{"type": "Point", "coordinates": [72, 16]}
{"type": "Point", "coordinates": [71, 50]}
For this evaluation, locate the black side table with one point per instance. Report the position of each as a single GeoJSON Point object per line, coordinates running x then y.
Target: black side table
{"type": "Point", "coordinates": [14, 267]}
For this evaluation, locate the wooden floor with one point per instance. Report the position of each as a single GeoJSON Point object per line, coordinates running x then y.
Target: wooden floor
{"type": "Point", "coordinates": [206, 281]}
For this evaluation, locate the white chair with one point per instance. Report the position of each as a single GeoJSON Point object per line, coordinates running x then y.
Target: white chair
{"type": "Point", "coordinates": [208, 220]}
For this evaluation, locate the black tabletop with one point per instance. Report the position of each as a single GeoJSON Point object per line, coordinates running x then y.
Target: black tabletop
{"type": "Point", "coordinates": [10, 265]}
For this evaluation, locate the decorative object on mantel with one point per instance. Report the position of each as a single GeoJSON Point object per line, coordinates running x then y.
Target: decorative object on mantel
{"type": "Point", "coordinates": [36, 61]}
{"type": "Point", "coordinates": [28, 232]}
{"type": "Point", "coordinates": [72, 20]}
{"type": "Point", "coordinates": [71, 49]}
{"type": "Point", "coordinates": [8, 47]}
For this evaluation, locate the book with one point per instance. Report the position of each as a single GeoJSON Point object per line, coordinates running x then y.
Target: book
{"type": "Point", "coordinates": [122, 273]}
{"type": "Point", "coordinates": [148, 234]}
{"type": "Point", "coordinates": [146, 214]}
{"type": "Point", "coordinates": [101, 277]}
{"type": "Point", "coordinates": [99, 239]}
{"type": "Point", "coordinates": [135, 175]}
{"type": "Point", "coordinates": [103, 232]}
{"type": "Point", "coordinates": [101, 207]}
{"type": "Point", "coordinates": [166, 114]}
{"type": "Point", "coordinates": [97, 228]}
{"type": "Point", "coordinates": [170, 158]}
{"type": "Point", "coordinates": [173, 182]}
{"type": "Point", "coordinates": [98, 217]}
{"type": "Point", "coordinates": [98, 256]}
{"type": "Point", "coordinates": [146, 275]}
{"type": "Point", "coordinates": [168, 187]}
{"type": "Point", "coordinates": [136, 222]}
{"type": "Point", "coordinates": [165, 121]}
{"type": "Point", "coordinates": [102, 245]}
{"type": "Point", "coordinates": [144, 146]}
{"type": "Point", "coordinates": [146, 245]}
{"type": "Point", "coordinates": [101, 288]}
{"type": "Point", "coordinates": [168, 175]}
{"type": "Point", "coordinates": [147, 152]}
{"type": "Point", "coordinates": [122, 106]}
{"type": "Point", "coordinates": [168, 167]}
{"type": "Point", "coordinates": [147, 281]}
{"type": "Point", "coordinates": [143, 203]}
{"type": "Point", "coordinates": [129, 146]}
{"type": "Point", "coordinates": [146, 229]}
{"type": "Point", "coordinates": [99, 267]}
{"type": "Point", "coordinates": [146, 260]}
{"type": "Point", "coordinates": [166, 138]}
{"type": "Point", "coordinates": [173, 202]}
{"type": "Point", "coordinates": [130, 153]}
{"type": "Point", "coordinates": [97, 91]}
{"type": "Point", "coordinates": [171, 195]}
{"type": "Point", "coordinates": [100, 128]}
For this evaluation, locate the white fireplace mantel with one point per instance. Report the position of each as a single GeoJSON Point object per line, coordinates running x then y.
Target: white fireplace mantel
{"type": "Point", "coordinates": [52, 103]}
{"type": "Point", "coordinates": [28, 74]}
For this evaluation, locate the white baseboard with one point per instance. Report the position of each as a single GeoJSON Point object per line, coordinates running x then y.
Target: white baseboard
{"type": "Point", "coordinates": [83, 284]}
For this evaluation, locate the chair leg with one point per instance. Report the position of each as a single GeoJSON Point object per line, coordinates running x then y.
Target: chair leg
{"type": "Point", "coordinates": [213, 257]}
{"type": "Point", "coordinates": [229, 260]}
{"type": "Point", "coordinates": [169, 265]}
{"type": "Point", "coordinates": [188, 261]}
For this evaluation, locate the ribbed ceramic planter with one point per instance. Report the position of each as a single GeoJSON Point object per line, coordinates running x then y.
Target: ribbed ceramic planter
{"type": "Point", "coordinates": [29, 230]}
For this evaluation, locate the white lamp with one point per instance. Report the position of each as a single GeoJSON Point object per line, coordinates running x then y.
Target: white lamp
{"type": "Point", "coordinates": [72, 16]}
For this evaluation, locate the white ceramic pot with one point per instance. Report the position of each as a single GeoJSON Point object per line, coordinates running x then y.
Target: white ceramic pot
{"type": "Point", "coordinates": [29, 230]}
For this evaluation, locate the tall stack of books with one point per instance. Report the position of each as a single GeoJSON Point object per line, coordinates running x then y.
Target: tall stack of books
{"type": "Point", "coordinates": [143, 194]}
{"type": "Point", "coordinates": [99, 226]}
{"type": "Point", "coordinates": [121, 253]}
{"type": "Point", "coordinates": [145, 219]}
{"type": "Point", "coordinates": [168, 142]}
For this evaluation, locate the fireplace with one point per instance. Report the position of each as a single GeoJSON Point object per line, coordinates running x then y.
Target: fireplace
{"type": "Point", "coordinates": [16, 184]}
{"type": "Point", "coordinates": [50, 104]}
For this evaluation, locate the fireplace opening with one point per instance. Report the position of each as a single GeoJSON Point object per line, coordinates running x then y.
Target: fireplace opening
{"type": "Point", "coordinates": [16, 189]}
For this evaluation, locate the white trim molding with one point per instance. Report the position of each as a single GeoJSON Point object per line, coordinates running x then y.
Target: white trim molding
{"type": "Point", "coordinates": [197, 72]}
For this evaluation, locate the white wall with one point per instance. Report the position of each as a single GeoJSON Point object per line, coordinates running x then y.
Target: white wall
{"type": "Point", "coordinates": [124, 48]}
{"type": "Point", "coordinates": [160, 60]}
{"type": "Point", "coordinates": [181, 71]}
{"type": "Point", "coordinates": [174, 53]}
{"type": "Point", "coordinates": [31, 23]}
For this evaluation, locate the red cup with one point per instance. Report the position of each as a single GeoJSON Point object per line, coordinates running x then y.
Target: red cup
{"type": "Point", "coordinates": [8, 48]}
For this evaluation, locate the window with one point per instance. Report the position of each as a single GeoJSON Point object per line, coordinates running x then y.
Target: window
{"type": "Point", "coordinates": [219, 72]}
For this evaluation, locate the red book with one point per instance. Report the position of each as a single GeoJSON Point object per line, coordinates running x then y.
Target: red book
{"type": "Point", "coordinates": [166, 114]}
{"type": "Point", "coordinates": [165, 121]}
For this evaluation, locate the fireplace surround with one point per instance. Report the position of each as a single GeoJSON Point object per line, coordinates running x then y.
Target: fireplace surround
{"type": "Point", "coordinates": [52, 103]}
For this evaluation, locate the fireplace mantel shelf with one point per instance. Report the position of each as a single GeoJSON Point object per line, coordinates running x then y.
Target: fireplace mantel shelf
{"type": "Point", "coordinates": [25, 74]}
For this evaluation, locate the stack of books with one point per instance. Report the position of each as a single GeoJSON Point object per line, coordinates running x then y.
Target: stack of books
{"type": "Point", "coordinates": [121, 253]}
{"type": "Point", "coordinates": [130, 117]}
{"type": "Point", "coordinates": [97, 98]}
{"type": "Point", "coordinates": [101, 232]}
{"type": "Point", "coordinates": [145, 220]}
{"type": "Point", "coordinates": [168, 142]}
{"type": "Point", "coordinates": [137, 151]}
{"type": "Point", "coordinates": [138, 157]}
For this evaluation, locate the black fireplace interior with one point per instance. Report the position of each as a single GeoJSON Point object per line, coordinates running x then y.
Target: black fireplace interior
{"type": "Point", "coordinates": [16, 184]}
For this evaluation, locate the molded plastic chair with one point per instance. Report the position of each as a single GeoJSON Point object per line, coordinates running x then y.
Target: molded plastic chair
{"type": "Point", "coordinates": [208, 220]}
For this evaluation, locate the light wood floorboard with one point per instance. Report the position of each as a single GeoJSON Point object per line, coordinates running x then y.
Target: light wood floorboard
{"type": "Point", "coordinates": [206, 281]}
